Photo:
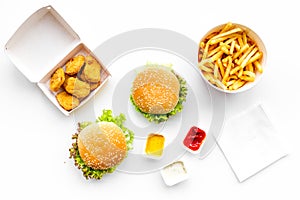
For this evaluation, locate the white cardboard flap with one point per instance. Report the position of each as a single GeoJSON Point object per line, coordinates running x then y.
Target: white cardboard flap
{"type": "Point", "coordinates": [40, 43]}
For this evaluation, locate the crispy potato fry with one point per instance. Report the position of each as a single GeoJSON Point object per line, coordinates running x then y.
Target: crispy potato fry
{"type": "Point", "coordinates": [211, 35]}
{"type": "Point", "coordinates": [248, 76]}
{"type": "Point", "coordinates": [235, 30]}
{"type": "Point", "coordinates": [209, 77]}
{"type": "Point", "coordinates": [217, 56]}
{"type": "Point", "coordinates": [205, 52]}
{"type": "Point", "coordinates": [237, 47]}
{"type": "Point", "coordinates": [240, 41]}
{"type": "Point", "coordinates": [202, 45]}
{"type": "Point", "coordinates": [232, 77]}
{"type": "Point", "coordinates": [241, 50]}
{"type": "Point", "coordinates": [245, 38]}
{"type": "Point", "coordinates": [257, 56]}
{"type": "Point", "coordinates": [232, 47]}
{"type": "Point", "coordinates": [221, 39]}
{"type": "Point", "coordinates": [249, 73]}
{"type": "Point", "coordinates": [258, 66]}
{"type": "Point", "coordinates": [226, 27]}
{"type": "Point", "coordinates": [245, 61]}
{"type": "Point", "coordinates": [234, 70]}
{"type": "Point", "coordinates": [237, 84]}
{"type": "Point", "coordinates": [225, 50]}
{"type": "Point", "coordinates": [230, 40]}
{"type": "Point", "coordinates": [249, 67]}
{"type": "Point", "coordinates": [205, 68]}
{"type": "Point", "coordinates": [229, 57]}
{"type": "Point", "coordinates": [220, 84]}
{"type": "Point", "coordinates": [228, 69]}
{"type": "Point", "coordinates": [229, 83]}
{"type": "Point", "coordinates": [242, 58]}
{"type": "Point", "coordinates": [217, 40]}
{"type": "Point", "coordinates": [221, 67]}
{"type": "Point", "coordinates": [213, 52]}
{"type": "Point", "coordinates": [216, 72]}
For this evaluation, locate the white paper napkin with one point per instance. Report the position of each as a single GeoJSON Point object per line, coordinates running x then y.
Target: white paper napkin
{"type": "Point", "coordinates": [250, 143]}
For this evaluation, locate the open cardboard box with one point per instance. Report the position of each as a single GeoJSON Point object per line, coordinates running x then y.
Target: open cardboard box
{"type": "Point", "coordinates": [43, 43]}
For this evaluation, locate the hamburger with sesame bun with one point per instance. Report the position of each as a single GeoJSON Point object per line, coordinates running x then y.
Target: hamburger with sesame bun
{"type": "Point", "coordinates": [158, 93]}
{"type": "Point", "coordinates": [102, 145]}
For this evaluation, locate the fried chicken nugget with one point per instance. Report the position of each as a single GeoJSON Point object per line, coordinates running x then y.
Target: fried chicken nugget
{"type": "Point", "coordinates": [67, 101]}
{"type": "Point", "coordinates": [77, 88]}
{"type": "Point", "coordinates": [74, 64]}
{"type": "Point", "coordinates": [91, 71]}
{"type": "Point", "coordinates": [94, 85]}
{"type": "Point", "coordinates": [57, 79]}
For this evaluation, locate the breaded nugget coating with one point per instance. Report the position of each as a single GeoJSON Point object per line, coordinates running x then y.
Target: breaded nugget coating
{"type": "Point", "coordinates": [57, 79]}
{"type": "Point", "coordinates": [74, 64]}
{"type": "Point", "coordinates": [91, 71]}
{"type": "Point", "coordinates": [94, 85]}
{"type": "Point", "coordinates": [67, 101]}
{"type": "Point", "coordinates": [77, 88]}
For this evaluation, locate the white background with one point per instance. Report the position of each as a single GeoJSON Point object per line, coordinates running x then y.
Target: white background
{"type": "Point", "coordinates": [35, 136]}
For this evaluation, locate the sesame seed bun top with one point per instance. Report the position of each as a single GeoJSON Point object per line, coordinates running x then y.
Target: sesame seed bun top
{"type": "Point", "coordinates": [102, 145]}
{"type": "Point", "coordinates": [156, 90]}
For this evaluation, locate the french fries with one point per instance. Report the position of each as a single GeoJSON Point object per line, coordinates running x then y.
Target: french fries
{"type": "Point", "coordinates": [229, 58]}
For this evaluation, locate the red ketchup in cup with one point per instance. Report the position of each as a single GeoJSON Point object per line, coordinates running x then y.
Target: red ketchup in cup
{"type": "Point", "coordinates": [194, 139]}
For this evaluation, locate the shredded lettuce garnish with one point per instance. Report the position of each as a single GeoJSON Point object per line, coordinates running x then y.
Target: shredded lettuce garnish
{"type": "Point", "coordinates": [157, 118]}
{"type": "Point", "coordinates": [88, 172]}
